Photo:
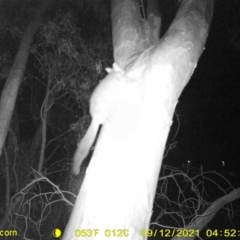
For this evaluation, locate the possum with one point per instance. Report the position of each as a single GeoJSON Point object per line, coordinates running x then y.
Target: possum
{"type": "Point", "coordinates": [102, 102]}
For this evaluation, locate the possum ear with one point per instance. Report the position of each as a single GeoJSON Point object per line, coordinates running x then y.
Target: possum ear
{"type": "Point", "coordinates": [117, 68]}
{"type": "Point", "coordinates": [108, 70]}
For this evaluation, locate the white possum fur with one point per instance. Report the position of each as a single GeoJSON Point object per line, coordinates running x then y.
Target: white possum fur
{"type": "Point", "coordinates": [102, 102]}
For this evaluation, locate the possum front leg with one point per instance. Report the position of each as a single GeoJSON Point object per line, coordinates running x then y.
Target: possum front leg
{"type": "Point", "coordinates": [84, 146]}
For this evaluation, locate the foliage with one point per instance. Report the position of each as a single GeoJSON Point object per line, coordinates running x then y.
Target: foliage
{"type": "Point", "coordinates": [67, 57]}
{"type": "Point", "coordinates": [183, 196]}
{"type": "Point", "coordinates": [74, 66]}
{"type": "Point", "coordinates": [35, 206]}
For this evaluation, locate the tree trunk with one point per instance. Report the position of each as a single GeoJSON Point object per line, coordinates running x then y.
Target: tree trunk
{"type": "Point", "coordinates": [119, 188]}
{"type": "Point", "coordinates": [10, 90]}
{"type": "Point", "coordinates": [44, 118]}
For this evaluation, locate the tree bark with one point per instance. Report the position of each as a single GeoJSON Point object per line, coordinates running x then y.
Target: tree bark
{"type": "Point", "coordinates": [44, 118]}
{"type": "Point", "coordinates": [120, 183]}
{"type": "Point", "coordinates": [10, 90]}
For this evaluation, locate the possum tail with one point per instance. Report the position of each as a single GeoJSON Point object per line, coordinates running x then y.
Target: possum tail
{"type": "Point", "coordinates": [84, 146]}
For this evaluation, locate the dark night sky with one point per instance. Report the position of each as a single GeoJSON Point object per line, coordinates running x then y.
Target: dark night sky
{"type": "Point", "coordinates": [209, 107]}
